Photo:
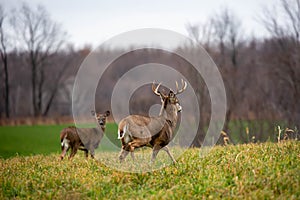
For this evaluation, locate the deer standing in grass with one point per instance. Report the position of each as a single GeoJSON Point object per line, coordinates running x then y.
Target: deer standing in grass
{"type": "Point", "coordinates": [136, 131]}
{"type": "Point", "coordinates": [89, 137]}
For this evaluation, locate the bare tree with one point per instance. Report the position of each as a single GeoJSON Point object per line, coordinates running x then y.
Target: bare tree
{"type": "Point", "coordinates": [283, 19]}
{"type": "Point", "coordinates": [226, 28]}
{"type": "Point", "coordinates": [201, 33]}
{"type": "Point", "coordinates": [220, 29]}
{"type": "Point", "coordinates": [4, 59]}
{"type": "Point", "coordinates": [283, 24]}
{"type": "Point", "coordinates": [64, 60]}
{"type": "Point", "coordinates": [226, 31]}
{"type": "Point", "coordinates": [42, 39]}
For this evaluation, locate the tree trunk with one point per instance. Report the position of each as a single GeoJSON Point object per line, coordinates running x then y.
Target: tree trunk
{"type": "Point", "coordinates": [4, 59]}
{"type": "Point", "coordinates": [6, 86]}
{"type": "Point", "coordinates": [49, 103]}
{"type": "Point", "coordinates": [33, 83]}
{"type": "Point", "coordinates": [40, 91]}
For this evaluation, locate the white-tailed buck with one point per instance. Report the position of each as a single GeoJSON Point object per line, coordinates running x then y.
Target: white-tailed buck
{"type": "Point", "coordinates": [136, 131]}
{"type": "Point", "coordinates": [88, 140]}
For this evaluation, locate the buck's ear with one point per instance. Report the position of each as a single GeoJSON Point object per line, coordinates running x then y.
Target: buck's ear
{"type": "Point", "coordinates": [107, 113]}
{"type": "Point", "coordinates": [93, 112]}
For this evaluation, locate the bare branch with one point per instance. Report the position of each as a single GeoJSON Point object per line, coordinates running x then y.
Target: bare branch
{"type": "Point", "coordinates": [41, 38]}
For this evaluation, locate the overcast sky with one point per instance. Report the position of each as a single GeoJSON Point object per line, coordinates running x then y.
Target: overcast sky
{"type": "Point", "coordinates": [94, 21]}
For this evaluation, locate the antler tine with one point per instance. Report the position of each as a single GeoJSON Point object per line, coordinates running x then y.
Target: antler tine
{"type": "Point", "coordinates": [184, 85]}
{"type": "Point", "coordinates": [155, 89]}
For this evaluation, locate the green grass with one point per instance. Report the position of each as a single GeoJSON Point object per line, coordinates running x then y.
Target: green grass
{"type": "Point", "coordinates": [261, 130]}
{"type": "Point", "coordinates": [249, 171]}
{"type": "Point", "coordinates": [44, 139]}
{"type": "Point", "coordinates": [31, 169]}
{"type": "Point", "coordinates": [39, 139]}
{"type": "Point", "coordinates": [29, 140]}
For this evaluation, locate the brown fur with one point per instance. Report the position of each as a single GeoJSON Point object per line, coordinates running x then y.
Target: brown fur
{"type": "Point", "coordinates": [70, 133]}
{"type": "Point", "coordinates": [71, 137]}
{"type": "Point", "coordinates": [136, 131]}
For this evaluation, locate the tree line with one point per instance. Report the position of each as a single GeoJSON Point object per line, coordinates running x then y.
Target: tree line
{"type": "Point", "coordinates": [261, 75]}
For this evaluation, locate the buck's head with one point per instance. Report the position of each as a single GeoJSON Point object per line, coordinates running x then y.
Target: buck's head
{"type": "Point", "coordinates": [101, 118]}
{"type": "Point", "coordinates": [170, 101]}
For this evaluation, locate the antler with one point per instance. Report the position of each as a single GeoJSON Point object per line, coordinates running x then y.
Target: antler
{"type": "Point", "coordinates": [184, 84]}
{"type": "Point", "coordinates": [155, 89]}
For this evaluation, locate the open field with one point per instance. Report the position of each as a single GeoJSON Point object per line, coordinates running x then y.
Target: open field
{"type": "Point", "coordinates": [30, 168]}
{"type": "Point", "coordinates": [252, 171]}
{"type": "Point", "coordinates": [28, 140]}
{"type": "Point", "coordinates": [37, 139]}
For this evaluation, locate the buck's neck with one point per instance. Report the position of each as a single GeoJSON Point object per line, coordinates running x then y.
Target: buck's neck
{"type": "Point", "coordinates": [170, 113]}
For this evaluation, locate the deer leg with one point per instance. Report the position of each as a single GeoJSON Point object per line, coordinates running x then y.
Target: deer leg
{"type": "Point", "coordinates": [64, 151]}
{"type": "Point", "coordinates": [123, 155]}
{"type": "Point", "coordinates": [92, 152]}
{"type": "Point", "coordinates": [86, 153]}
{"type": "Point", "coordinates": [132, 155]}
{"type": "Point", "coordinates": [74, 151]}
{"type": "Point", "coordinates": [155, 151]}
{"type": "Point", "coordinates": [166, 149]}
{"type": "Point", "coordinates": [134, 144]}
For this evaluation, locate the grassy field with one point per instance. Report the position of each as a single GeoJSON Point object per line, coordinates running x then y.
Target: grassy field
{"type": "Point", "coordinates": [38, 139]}
{"type": "Point", "coordinates": [252, 171]}
{"type": "Point", "coordinates": [31, 169]}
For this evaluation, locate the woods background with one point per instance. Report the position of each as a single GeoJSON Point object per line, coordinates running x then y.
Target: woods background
{"type": "Point", "coordinates": [261, 75]}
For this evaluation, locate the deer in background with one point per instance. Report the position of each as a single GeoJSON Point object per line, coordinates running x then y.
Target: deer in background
{"type": "Point", "coordinates": [136, 131]}
{"type": "Point", "coordinates": [89, 137]}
